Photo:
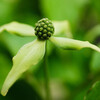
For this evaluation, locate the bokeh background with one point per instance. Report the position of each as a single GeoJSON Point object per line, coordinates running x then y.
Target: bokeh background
{"type": "Point", "coordinates": [72, 73]}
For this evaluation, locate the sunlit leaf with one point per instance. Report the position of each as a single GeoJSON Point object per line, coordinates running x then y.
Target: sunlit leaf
{"type": "Point", "coordinates": [72, 44]}
{"type": "Point", "coordinates": [18, 29]}
{"type": "Point", "coordinates": [30, 54]}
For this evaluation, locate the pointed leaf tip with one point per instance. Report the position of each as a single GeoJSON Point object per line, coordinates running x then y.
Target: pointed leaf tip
{"type": "Point", "coordinates": [30, 54]}
{"type": "Point", "coordinates": [72, 44]}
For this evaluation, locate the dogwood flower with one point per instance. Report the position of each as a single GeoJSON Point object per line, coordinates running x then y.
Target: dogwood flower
{"type": "Point", "coordinates": [31, 53]}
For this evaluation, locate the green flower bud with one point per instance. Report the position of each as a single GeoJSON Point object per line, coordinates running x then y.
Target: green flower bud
{"type": "Point", "coordinates": [44, 29]}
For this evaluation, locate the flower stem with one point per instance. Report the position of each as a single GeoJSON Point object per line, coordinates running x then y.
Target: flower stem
{"type": "Point", "coordinates": [46, 75]}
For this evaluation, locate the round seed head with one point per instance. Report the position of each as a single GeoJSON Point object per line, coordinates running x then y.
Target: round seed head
{"type": "Point", "coordinates": [44, 29]}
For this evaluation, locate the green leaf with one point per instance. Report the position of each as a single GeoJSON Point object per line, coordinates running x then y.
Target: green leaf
{"type": "Point", "coordinates": [94, 92]}
{"type": "Point", "coordinates": [30, 54]}
{"type": "Point", "coordinates": [71, 10]}
{"type": "Point", "coordinates": [62, 28]}
{"type": "Point", "coordinates": [12, 45]}
{"type": "Point", "coordinates": [72, 44]}
{"type": "Point", "coordinates": [18, 29]}
{"type": "Point", "coordinates": [95, 62]}
{"type": "Point", "coordinates": [4, 67]}
{"type": "Point", "coordinates": [93, 33]}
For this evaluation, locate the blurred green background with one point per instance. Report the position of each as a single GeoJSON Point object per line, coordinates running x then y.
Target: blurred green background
{"type": "Point", "coordinates": [72, 73]}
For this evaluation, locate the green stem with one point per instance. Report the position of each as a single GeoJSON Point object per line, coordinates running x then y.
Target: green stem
{"type": "Point", "coordinates": [46, 75]}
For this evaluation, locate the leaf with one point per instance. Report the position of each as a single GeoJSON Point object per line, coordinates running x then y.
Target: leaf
{"type": "Point", "coordinates": [94, 92]}
{"type": "Point", "coordinates": [4, 67]}
{"type": "Point", "coordinates": [30, 54]}
{"type": "Point", "coordinates": [95, 62]}
{"type": "Point", "coordinates": [93, 33]}
{"type": "Point", "coordinates": [63, 9]}
{"type": "Point", "coordinates": [18, 29]}
{"type": "Point", "coordinates": [12, 45]}
{"type": "Point", "coordinates": [72, 44]}
{"type": "Point", "coordinates": [62, 28]}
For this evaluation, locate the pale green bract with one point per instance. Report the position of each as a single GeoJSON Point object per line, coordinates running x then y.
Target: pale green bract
{"type": "Point", "coordinates": [62, 28]}
{"type": "Point", "coordinates": [30, 54]}
{"type": "Point", "coordinates": [66, 43]}
{"type": "Point", "coordinates": [18, 29]}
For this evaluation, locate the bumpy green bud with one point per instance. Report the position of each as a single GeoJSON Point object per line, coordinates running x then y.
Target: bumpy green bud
{"type": "Point", "coordinates": [44, 29]}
